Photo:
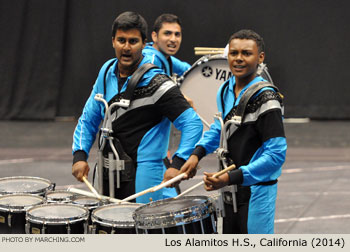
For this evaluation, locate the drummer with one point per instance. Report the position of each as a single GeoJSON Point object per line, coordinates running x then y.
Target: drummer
{"type": "Point", "coordinates": [257, 148]}
{"type": "Point", "coordinates": [167, 38]}
{"type": "Point", "coordinates": [143, 131]}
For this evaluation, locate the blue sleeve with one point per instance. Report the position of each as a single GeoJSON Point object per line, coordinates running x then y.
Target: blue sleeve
{"type": "Point", "coordinates": [179, 67]}
{"type": "Point", "coordinates": [88, 124]}
{"type": "Point", "coordinates": [266, 164]}
{"type": "Point", "coordinates": [191, 129]}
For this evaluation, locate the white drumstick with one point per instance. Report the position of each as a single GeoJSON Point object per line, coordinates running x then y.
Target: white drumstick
{"type": "Point", "coordinates": [155, 188]}
{"type": "Point", "coordinates": [89, 194]}
{"type": "Point", "coordinates": [231, 167]}
{"type": "Point", "coordinates": [92, 189]}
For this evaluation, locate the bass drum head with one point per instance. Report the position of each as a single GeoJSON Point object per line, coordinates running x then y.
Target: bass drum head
{"type": "Point", "coordinates": [24, 184]}
{"type": "Point", "coordinates": [202, 81]}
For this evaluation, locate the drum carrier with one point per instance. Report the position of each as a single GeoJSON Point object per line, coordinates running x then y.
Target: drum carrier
{"type": "Point", "coordinates": [111, 154]}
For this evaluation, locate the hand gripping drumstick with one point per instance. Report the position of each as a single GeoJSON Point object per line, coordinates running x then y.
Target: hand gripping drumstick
{"type": "Point", "coordinates": [155, 188]}
{"type": "Point", "coordinates": [218, 174]}
{"type": "Point", "coordinates": [92, 189]}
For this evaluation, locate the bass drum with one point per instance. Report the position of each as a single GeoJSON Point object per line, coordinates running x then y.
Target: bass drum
{"type": "Point", "coordinates": [202, 81]}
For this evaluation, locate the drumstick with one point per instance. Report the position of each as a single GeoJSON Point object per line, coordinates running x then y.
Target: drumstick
{"type": "Point", "coordinates": [92, 189]}
{"type": "Point", "coordinates": [155, 188]}
{"type": "Point", "coordinates": [208, 52]}
{"type": "Point", "coordinates": [218, 174]}
{"type": "Point", "coordinates": [208, 48]}
{"type": "Point", "coordinates": [89, 194]}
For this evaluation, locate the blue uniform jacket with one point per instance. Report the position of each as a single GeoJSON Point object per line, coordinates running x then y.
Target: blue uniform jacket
{"type": "Point", "coordinates": [143, 128]}
{"type": "Point", "coordinates": [264, 162]}
{"type": "Point", "coordinates": [158, 59]}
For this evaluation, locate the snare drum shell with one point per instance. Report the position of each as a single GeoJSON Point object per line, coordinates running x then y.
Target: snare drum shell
{"type": "Point", "coordinates": [189, 214]}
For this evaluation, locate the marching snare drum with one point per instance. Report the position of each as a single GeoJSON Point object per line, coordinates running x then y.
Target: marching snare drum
{"type": "Point", "coordinates": [57, 218]}
{"type": "Point", "coordinates": [202, 81]}
{"type": "Point", "coordinates": [13, 209]}
{"type": "Point", "coordinates": [25, 184]}
{"type": "Point", "coordinates": [59, 197]}
{"type": "Point", "coordinates": [185, 215]}
{"type": "Point", "coordinates": [114, 219]}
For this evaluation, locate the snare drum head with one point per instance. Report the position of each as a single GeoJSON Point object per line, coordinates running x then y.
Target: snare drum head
{"type": "Point", "coordinates": [19, 202]}
{"type": "Point", "coordinates": [116, 215]}
{"type": "Point", "coordinates": [31, 185]}
{"type": "Point", "coordinates": [171, 212]}
{"type": "Point", "coordinates": [202, 81]}
{"type": "Point", "coordinates": [57, 213]}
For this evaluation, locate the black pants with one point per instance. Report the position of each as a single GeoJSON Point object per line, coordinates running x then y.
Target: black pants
{"type": "Point", "coordinates": [236, 223]}
{"type": "Point", "coordinates": [126, 189]}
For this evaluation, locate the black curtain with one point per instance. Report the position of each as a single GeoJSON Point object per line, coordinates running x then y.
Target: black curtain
{"type": "Point", "coordinates": [32, 35]}
{"type": "Point", "coordinates": [51, 51]}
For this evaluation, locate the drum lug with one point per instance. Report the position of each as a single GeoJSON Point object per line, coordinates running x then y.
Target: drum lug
{"type": "Point", "coordinates": [9, 219]}
{"type": "Point", "coordinates": [86, 225]}
{"type": "Point", "coordinates": [27, 228]}
{"type": "Point", "coordinates": [68, 229]}
{"type": "Point", "coordinates": [43, 229]}
{"type": "Point", "coordinates": [93, 229]}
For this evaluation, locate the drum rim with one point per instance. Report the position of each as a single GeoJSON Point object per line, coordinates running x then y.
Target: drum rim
{"type": "Point", "coordinates": [88, 206]}
{"type": "Point", "coordinates": [69, 220]}
{"type": "Point", "coordinates": [67, 199]}
{"type": "Point", "coordinates": [39, 191]}
{"type": "Point", "coordinates": [112, 223]}
{"type": "Point", "coordinates": [174, 218]}
{"type": "Point", "coordinates": [19, 208]}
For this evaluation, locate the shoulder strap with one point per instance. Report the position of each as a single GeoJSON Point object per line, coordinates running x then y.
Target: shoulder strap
{"type": "Point", "coordinates": [248, 94]}
{"type": "Point", "coordinates": [135, 78]}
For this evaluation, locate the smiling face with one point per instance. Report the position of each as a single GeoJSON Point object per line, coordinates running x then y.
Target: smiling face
{"type": "Point", "coordinates": [168, 39]}
{"type": "Point", "coordinates": [128, 47]}
{"type": "Point", "coordinates": [243, 58]}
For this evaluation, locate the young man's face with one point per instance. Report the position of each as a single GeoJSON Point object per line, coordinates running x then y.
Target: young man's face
{"type": "Point", "coordinates": [243, 57]}
{"type": "Point", "coordinates": [168, 39]}
{"type": "Point", "coordinates": [128, 47]}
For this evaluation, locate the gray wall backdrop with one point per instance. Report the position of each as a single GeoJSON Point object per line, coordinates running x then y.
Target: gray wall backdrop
{"type": "Point", "coordinates": [51, 51]}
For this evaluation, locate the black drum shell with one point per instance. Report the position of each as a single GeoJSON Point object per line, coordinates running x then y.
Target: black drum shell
{"type": "Point", "coordinates": [12, 217]}
{"type": "Point", "coordinates": [77, 224]}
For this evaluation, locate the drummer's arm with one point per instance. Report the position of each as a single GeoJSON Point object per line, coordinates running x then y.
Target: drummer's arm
{"type": "Point", "coordinates": [174, 106]}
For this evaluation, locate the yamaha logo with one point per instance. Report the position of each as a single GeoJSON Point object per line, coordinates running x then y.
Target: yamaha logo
{"type": "Point", "coordinates": [207, 71]}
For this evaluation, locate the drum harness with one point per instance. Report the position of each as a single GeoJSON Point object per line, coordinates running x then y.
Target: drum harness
{"type": "Point", "coordinates": [232, 122]}
{"type": "Point", "coordinates": [117, 159]}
